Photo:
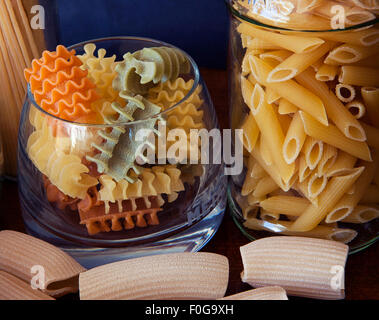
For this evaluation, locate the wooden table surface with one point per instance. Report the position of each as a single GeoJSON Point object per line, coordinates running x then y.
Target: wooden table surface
{"type": "Point", "coordinates": [362, 269]}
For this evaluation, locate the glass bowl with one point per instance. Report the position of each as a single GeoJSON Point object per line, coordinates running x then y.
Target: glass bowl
{"type": "Point", "coordinates": [260, 203]}
{"type": "Point", "coordinates": [159, 207]}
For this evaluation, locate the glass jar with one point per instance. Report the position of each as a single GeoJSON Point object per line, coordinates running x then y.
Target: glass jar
{"type": "Point", "coordinates": [103, 209]}
{"type": "Point", "coordinates": [304, 87]}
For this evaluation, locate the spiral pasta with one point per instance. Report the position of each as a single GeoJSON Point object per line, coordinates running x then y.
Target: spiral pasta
{"type": "Point", "coordinates": [101, 71]}
{"type": "Point", "coordinates": [65, 171]}
{"type": "Point", "coordinates": [61, 87]}
{"type": "Point", "coordinates": [142, 69]}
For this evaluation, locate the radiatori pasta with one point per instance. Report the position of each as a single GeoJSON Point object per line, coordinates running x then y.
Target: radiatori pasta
{"type": "Point", "coordinates": [310, 115]}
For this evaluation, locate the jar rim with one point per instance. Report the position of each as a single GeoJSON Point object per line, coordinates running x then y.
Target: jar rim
{"type": "Point", "coordinates": [244, 17]}
{"type": "Point", "coordinates": [130, 123]}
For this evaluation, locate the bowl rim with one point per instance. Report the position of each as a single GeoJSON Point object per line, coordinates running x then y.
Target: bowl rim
{"type": "Point", "coordinates": [30, 97]}
{"type": "Point", "coordinates": [237, 13]}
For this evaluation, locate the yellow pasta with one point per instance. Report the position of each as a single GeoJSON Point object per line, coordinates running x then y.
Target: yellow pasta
{"type": "Point", "coordinates": [265, 186]}
{"type": "Point", "coordinates": [372, 135]}
{"type": "Point", "coordinates": [359, 76]}
{"type": "Point", "coordinates": [334, 191]}
{"type": "Point", "coordinates": [336, 111]}
{"type": "Point", "coordinates": [362, 214]}
{"type": "Point", "coordinates": [348, 202]}
{"type": "Point", "coordinates": [326, 72]}
{"type": "Point", "coordinates": [368, 37]}
{"type": "Point", "coordinates": [304, 170]}
{"type": "Point", "coordinates": [345, 92]}
{"type": "Point", "coordinates": [313, 150]}
{"type": "Point", "coordinates": [250, 132]}
{"type": "Point", "coordinates": [331, 135]}
{"type": "Point", "coordinates": [299, 265]}
{"type": "Point", "coordinates": [286, 107]}
{"type": "Point", "coordinates": [327, 232]}
{"type": "Point", "coordinates": [343, 163]}
{"type": "Point", "coordinates": [272, 96]}
{"type": "Point", "coordinates": [290, 90]}
{"type": "Point", "coordinates": [296, 44]}
{"type": "Point", "coordinates": [275, 57]}
{"type": "Point", "coordinates": [287, 205]}
{"type": "Point", "coordinates": [294, 140]}
{"type": "Point", "coordinates": [328, 159]}
{"type": "Point", "coordinates": [259, 44]}
{"type": "Point", "coordinates": [349, 53]}
{"type": "Point", "coordinates": [271, 131]}
{"type": "Point", "coordinates": [356, 108]}
{"type": "Point", "coordinates": [304, 6]}
{"type": "Point", "coordinates": [297, 63]}
{"type": "Point", "coordinates": [370, 97]}
{"type": "Point", "coordinates": [316, 185]}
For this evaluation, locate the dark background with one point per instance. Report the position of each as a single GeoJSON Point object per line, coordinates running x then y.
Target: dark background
{"type": "Point", "coordinates": [199, 27]}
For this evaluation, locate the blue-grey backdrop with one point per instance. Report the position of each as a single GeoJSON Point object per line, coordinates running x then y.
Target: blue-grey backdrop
{"type": "Point", "coordinates": [199, 27]}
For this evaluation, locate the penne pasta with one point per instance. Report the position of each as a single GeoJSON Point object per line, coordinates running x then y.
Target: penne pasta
{"type": "Point", "coordinates": [362, 214]}
{"type": "Point", "coordinates": [331, 135]}
{"type": "Point", "coordinates": [272, 96]}
{"type": "Point", "coordinates": [297, 63]}
{"type": "Point", "coordinates": [313, 150]}
{"type": "Point", "coordinates": [254, 201]}
{"type": "Point", "coordinates": [316, 185]}
{"type": "Point", "coordinates": [348, 202]}
{"type": "Point", "coordinates": [250, 132]}
{"type": "Point", "coordinates": [264, 187]}
{"type": "Point", "coordinates": [260, 44]}
{"type": "Point", "coordinates": [356, 108]}
{"type": "Point", "coordinates": [343, 164]}
{"type": "Point", "coordinates": [287, 205]}
{"type": "Point", "coordinates": [265, 152]}
{"type": "Point", "coordinates": [370, 97]}
{"type": "Point", "coordinates": [290, 90]}
{"type": "Point", "coordinates": [336, 111]}
{"type": "Point", "coordinates": [294, 140]}
{"type": "Point", "coordinates": [275, 57]}
{"type": "Point", "coordinates": [271, 131]}
{"type": "Point", "coordinates": [359, 76]}
{"type": "Point", "coordinates": [258, 172]}
{"type": "Point", "coordinates": [345, 92]}
{"type": "Point", "coordinates": [286, 107]}
{"type": "Point", "coordinates": [368, 37]}
{"type": "Point", "coordinates": [326, 73]}
{"type": "Point", "coordinates": [329, 157]}
{"type": "Point", "coordinates": [172, 276]}
{"type": "Point", "coordinates": [304, 170]}
{"type": "Point", "coordinates": [13, 288]}
{"type": "Point", "coordinates": [302, 266]}
{"type": "Point", "coordinates": [265, 293]}
{"type": "Point", "coordinates": [302, 188]}
{"type": "Point", "coordinates": [334, 191]}
{"type": "Point", "coordinates": [350, 53]}
{"type": "Point", "coordinates": [296, 44]}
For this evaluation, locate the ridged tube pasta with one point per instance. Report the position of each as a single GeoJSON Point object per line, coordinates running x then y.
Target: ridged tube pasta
{"type": "Point", "coordinates": [265, 293]}
{"type": "Point", "coordinates": [359, 76]}
{"type": "Point", "coordinates": [345, 92]}
{"type": "Point", "coordinates": [334, 137]}
{"type": "Point", "coordinates": [13, 288]}
{"type": "Point", "coordinates": [301, 266]}
{"type": "Point", "coordinates": [356, 108]}
{"type": "Point", "coordinates": [297, 63]}
{"type": "Point", "coordinates": [370, 97]}
{"type": "Point", "coordinates": [334, 191]}
{"type": "Point", "coordinates": [290, 90]}
{"type": "Point", "coordinates": [348, 53]}
{"type": "Point", "coordinates": [287, 205]}
{"type": "Point", "coordinates": [362, 214]}
{"type": "Point", "coordinates": [348, 202]}
{"type": "Point", "coordinates": [313, 150]}
{"type": "Point", "coordinates": [326, 73]}
{"type": "Point", "coordinates": [20, 252]}
{"type": "Point", "coordinates": [296, 44]}
{"type": "Point", "coordinates": [336, 111]}
{"type": "Point", "coordinates": [171, 276]}
{"type": "Point", "coordinates": [294, 140]}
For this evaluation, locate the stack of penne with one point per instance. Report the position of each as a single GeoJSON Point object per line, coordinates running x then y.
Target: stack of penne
{"type": "Point", "coordinates": [312, 129]}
